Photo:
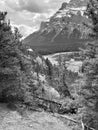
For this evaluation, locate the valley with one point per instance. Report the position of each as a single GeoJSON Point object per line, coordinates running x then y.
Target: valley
{"type": "Point", "coordinates": [72, 64]}
{"type": "Point", "coordinates": [49, 80]}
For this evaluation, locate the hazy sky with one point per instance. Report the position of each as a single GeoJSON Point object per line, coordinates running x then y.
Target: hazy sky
{"type": "Point", "coordinates": [27, 14]}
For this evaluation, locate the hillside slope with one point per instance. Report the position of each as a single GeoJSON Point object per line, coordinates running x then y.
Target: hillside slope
{"type": "Point", "coordinates": [11, 120]}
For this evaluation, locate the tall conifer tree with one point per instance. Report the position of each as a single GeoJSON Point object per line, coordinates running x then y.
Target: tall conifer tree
{"type": "Point", "coordinates": [90, 69]}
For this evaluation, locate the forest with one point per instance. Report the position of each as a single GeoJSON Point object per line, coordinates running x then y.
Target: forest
{"type": "Point", "coordinates": [30, 82]}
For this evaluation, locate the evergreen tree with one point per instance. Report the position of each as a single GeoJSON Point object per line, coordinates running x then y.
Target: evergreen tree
{"type": "Point", "coordinates": [60, 74]}
{"type": "Point", "coordinates": [15, 66]}
{"type": "Point", "coordinates": [49, 69]}
{"type": "Point", "coordinates": [90, 70]}
{"type": "Point", "coordinates": [92, 13]}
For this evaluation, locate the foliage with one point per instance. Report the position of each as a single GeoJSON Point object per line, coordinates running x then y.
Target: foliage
{"type": "Point", "coordinates": [90, 70]}
{"type": "Point", "coordinates": [92, 13]}
{"type": "Point", "coordinates": [63, 78]}
{"type": "Point", "coordinates": [49, 69]}
{"type": "Point", "coordinates": [16, 64]}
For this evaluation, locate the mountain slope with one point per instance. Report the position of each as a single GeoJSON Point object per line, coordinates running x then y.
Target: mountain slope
{"type": "Point", "coordinates": [64, 31]}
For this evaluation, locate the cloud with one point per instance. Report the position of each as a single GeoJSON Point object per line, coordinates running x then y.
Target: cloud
{"type": "Point", "coordinates": [24, 29]}
{"type": "Point", "coordinates": [28, 14]}
{"type": "Point", "coordinates": [27, 22]}
{"type": "Point", "coordinates": [35, 6]}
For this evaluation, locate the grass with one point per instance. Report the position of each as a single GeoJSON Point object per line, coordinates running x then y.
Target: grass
{"type": "Point", "coordinates": [12, 120]}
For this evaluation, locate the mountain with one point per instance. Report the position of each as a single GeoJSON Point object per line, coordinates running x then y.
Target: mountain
{"type": "Point", "coordinates": [78, 3]}
{"type": "Point", "coordinates": [64, 31]}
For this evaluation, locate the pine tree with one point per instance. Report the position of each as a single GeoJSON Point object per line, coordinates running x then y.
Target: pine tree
{"type": "Point", "coordinates": [15, 66]}
{"type": "Point", "coordinates": [90, 70]}
{"type": "Point", "coordinates": [49, 69]}
{"type": "Point", "coordinates": [92, 13]}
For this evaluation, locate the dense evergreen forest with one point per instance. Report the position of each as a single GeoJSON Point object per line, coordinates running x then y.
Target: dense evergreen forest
{"type": "Point", "coordinates": [28, 81]}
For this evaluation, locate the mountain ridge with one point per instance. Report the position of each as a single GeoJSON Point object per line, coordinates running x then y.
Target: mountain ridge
{"type": "Point", "coordinates": [64, 31]}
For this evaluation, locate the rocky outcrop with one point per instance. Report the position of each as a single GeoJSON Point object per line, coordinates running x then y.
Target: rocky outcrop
{"type": "Point", "coordinates": [78, 3]}
{"type": "Point", "coordinates": [64, 31]}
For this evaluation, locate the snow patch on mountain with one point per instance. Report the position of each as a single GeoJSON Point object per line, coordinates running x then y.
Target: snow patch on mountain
{"type": "Point", "coordinates": [68, 11]}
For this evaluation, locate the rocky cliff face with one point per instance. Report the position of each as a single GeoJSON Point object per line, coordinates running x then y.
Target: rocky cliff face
{"type": "Point", "coordinates": [64, 31]}
{"type": "Point", "coordinates": [78, 3]}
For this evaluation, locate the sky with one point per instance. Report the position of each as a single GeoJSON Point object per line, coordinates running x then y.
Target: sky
{"type": "Point", "coordinates": [28, 14]}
